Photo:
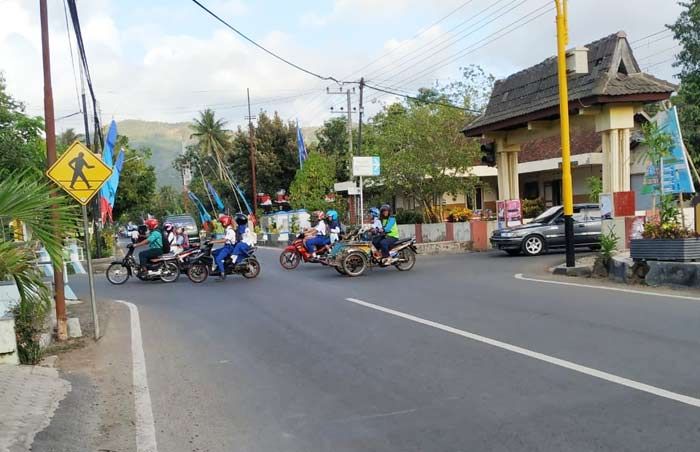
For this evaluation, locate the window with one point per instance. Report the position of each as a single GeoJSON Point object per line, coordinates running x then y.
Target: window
{"type": "Point", "coordinates": [531, 190]}
{"type": "Point", "coordinates": [475, 199]}
{"type": "Point", "coordinates": [593, 214]}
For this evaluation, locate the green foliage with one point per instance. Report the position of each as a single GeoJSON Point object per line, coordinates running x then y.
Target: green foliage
{"type": "Point", "coordinates": [595, 188]}
{"type": "Point", "coordinates": [686, 30]}
{"type": "Point", "coordinates": [409, 217]}
{"type": "Point", "coordinates": [460, 215]}
{"type": "Point", "coordinates": [333, 141]}
{"type": "Point", "coordinates": [65, 139]}
{"type": "Point", "coordinates": [21, 144]}
{"type": "Point", "coordinates": [29, 324]}
{"type": "Point", "coordinates": [608, 244]}
{"type": "Point", "coordinates": [667, 225]}
{"type": "Point", "coordinates": [658, 144]}
{"type": "Point", "coordinates": [312, 183]}
{"type": "Point", "coordinates": [532, 207]}
{"type": "Point", "coordinates": [106, 243]}
{"type": "Point", "coordinates": [167, 201]}
{"type": "Point", "coordinates": [137, 184]}
{"type": "Point", "coordinates": [212, 138]}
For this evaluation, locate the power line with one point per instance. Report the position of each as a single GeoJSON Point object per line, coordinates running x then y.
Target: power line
{"type": "Point", "coordinates": [659, 63]}
{"type": "Point", "coordinates": [424, 101]}
{"type": "Point", "coordinates": [652, 55]}
{"type": "Point", "coordinates": [269, 52]}
{"type": "Point", "coordinates": [649, 43]}
{"type": "Point", "coordinates": [650, 35]}
{"type": "Point", "coordinates": [72, 60]}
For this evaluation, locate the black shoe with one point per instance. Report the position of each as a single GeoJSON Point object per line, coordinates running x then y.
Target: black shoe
{"type": "Point", "coordinates": [222, 277]}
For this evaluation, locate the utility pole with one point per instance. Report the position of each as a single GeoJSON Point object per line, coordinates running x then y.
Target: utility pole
{"type": "Point", "coordinates": [95, 202]}
{"type": "Point", "coordinates": [348, 93]}
{"type": "Point", "coordinates": [251, 137]}
{"type": "Point", "coordinates": [362, 111]}
{"type": "Point", "coordinates": [59, 294]}
{"type": "Point", "coordinates": [562, 41]}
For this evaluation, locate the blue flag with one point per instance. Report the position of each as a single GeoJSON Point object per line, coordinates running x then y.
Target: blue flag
{"type": "Point", "coordinates": [107, 154]}
{"type": "Point", "coordinates": [203, 214]}
{"type": "Point", "coordinates": [301, 147]}
{"type": "Point", "coordinates": [245, 201]}
{"type": "Point", "coordinates": [215, 195]}
{"type": "Point", "coordinates": [113, 182]}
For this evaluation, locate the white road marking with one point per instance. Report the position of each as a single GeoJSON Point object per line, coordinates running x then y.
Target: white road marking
{"type": "Point", "coordinates": [539, 356]}
{"type": "Point", "coordinates": [614, 289]}
{"type": "Point", "coordinates": [145, 426]}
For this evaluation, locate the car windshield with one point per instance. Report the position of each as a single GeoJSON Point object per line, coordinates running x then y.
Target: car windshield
{"type": "Point", "coordinates": [547, 215]}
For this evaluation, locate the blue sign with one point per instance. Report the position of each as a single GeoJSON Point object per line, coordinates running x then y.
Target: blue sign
{"type": "Point", "coordinates": [375, 166]}
{"type": "Point", "coordinates": [675, 172]}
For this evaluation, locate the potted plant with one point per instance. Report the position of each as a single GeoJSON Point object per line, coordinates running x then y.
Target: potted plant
{"type": "Point", "coordinates": [664, 238]}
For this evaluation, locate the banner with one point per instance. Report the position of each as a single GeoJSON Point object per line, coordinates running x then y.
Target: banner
{"type": "Point", "coordinates": [215, 195]}
{"type": "Point", "coordinates": [301, 147]}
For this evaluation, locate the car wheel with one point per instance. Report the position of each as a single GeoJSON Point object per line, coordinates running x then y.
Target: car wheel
{"type": "Point", "coordinates": [513, 252]}
{"type": "Point", "coordinates": [533, 245]}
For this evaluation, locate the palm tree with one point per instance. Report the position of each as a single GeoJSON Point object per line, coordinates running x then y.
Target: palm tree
{"type": "Point", "coordinates": [212, 137]}
{"type": "Point", "coordinates": [26, 199]}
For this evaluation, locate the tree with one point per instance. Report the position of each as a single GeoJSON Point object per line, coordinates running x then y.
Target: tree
{"type": "Point", "coordinates": [212, 137]}
{"type": "Point", "coordinates": [333, 141]}
{"type": "Point", "coordinates": [66, 138]}
{"type": "Point", "coordinates": [28, 199]}
{"type": "Point", "coordinates": [313, 182]}
{"type": "Point", "coordinates": [21, 144]}
{"type": "Point", "coordinates": [167, 202]}
{"type": "Point", "coordinates": [137, 183]}
{"type": "Point", "coordinates": [686, 30]}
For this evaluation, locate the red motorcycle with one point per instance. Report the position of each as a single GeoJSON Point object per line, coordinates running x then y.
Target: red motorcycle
{"type": "Point", "coordinates": [295, 253]}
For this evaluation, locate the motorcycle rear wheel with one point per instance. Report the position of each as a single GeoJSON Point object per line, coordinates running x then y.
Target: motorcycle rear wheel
{"type": "Point", "coordinates": [289, 260]}
{"type": "Point", "coordinates": [198, 273]}
{"type": "Point", "coordinates": [354, 263]}
{"type": "Point", "coordinates": [117, 274]}
{"type": "Point", "coordinates": [253, 268]}
{"type": "Point", "coordinates": [408, 258]}
{"type": "Point", "coordinates": [169, 272]}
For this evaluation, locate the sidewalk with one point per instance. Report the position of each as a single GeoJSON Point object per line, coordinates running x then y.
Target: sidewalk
{"type": "Point", "coordinates": [29, 397]}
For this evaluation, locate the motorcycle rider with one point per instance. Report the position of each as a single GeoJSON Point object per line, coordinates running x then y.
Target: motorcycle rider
{"type": "Point", "coordinates": [154, 240]}
{"type": "Point", "coordinates": [319, 237]}
{"type": "Point", "coordinates": [390, 232]}
{"type": "Point", "coordinates": [229, 242]}
{"type": "Point", "coordinates": [244, 238]}
{"type": "Point", "coordinates": [169, 231]}
{"type": "Point", "coordinates": [333, 225]}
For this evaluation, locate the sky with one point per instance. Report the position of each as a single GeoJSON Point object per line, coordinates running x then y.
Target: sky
{"type": "Point", "coordinates": [166, 60]}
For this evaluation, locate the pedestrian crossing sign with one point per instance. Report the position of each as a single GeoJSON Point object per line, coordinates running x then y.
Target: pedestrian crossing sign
{"type": "Point", "coordinates": [79, 172]}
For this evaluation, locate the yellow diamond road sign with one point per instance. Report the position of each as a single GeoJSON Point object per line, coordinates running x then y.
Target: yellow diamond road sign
{"type": "Point", "coordinates": [79, 172]}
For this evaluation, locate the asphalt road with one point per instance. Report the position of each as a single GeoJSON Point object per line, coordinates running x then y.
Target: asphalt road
{"type": "Point", "coordinates": [286, 363]}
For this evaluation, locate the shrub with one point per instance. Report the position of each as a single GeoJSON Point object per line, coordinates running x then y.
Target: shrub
{"type": "Point", "coordinates": [460, 215]}
{"type": "Point", "coordinates": [409, 217]}
{"type": "Point", "coordinates": [30, 315]}
{"type": "Point", "coordinates": [532, 207]}
{"type": "Point", "coordinates": [106, 241]}
{"type": "Point", "coordinates": [608, 244]}
{"type": "Point", "coordinates": [595, 188]}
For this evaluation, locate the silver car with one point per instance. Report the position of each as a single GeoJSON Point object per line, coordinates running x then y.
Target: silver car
{"type": "Point", "coordinates": [547, 231]}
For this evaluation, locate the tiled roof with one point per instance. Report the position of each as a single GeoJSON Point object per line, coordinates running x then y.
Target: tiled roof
{"type": "Point", "coordinates": [537, 88]}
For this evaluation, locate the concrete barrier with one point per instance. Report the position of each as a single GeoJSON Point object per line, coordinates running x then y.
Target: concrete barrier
{"type": "Point", "coordinates": [434, 248]}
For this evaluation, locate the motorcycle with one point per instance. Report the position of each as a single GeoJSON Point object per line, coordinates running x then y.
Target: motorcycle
{"type": "Point", "coordinates": [203, 260]}
{"type": "Point", "coordinates": [296, 252]}
{"type": "Point", "coordinates": [355, 257]}
{"type": "Point", "coordinates": [162, 268]}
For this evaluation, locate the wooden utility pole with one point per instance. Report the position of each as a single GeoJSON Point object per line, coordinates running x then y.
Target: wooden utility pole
{"type": "Point", "coordinates": [59, 294]}
{"type": "Point", "coordinates": [251, 137]}
{"type": "Point", "coordinates": [361, 112]}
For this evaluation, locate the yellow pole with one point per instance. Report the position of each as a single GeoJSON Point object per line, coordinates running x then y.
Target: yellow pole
{"type": "Point", "coordinates": [567, 189]}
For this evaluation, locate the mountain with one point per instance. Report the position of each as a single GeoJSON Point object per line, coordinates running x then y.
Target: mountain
{"type": "Point", "coordinates": [167, 141]}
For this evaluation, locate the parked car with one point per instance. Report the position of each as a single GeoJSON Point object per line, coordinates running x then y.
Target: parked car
{"type": "Point", "coordinates": [547, 231]}
{"type": "Point", "coordinates": [187, 222]}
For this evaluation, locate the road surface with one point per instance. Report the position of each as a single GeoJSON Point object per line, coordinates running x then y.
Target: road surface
{"type": "Point", "coordinates": [456, 355]}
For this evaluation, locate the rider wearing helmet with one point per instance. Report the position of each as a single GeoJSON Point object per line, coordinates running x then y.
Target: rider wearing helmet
{"type": "Point", "coordinates": [390, 231]}
{"type": "Point", "coordinates": [318, 232]}
{"type": "Point", "coordinates": [244, 236]}
{"type": "Point", "coordinates": [376, 224]}
{"type": "Point", "coordinates": [333, 225]}
{"type": "Point", "coordinates": [170, 235]}
{"type": "Point", "coordinates": [154, 240]}
{"type": "Point", "coordinates": [229, 242]}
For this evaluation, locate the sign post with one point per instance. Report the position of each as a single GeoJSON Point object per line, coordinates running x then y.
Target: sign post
{"type": "Point", "coordinates": [364, 166]}
{"type": "Point", "coordinates": [81, 174]}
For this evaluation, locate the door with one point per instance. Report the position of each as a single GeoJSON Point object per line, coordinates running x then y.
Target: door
{"type": "Point", "coordinates": [593, 226]}
{"type": "Point", "coordinates": [556, 233]}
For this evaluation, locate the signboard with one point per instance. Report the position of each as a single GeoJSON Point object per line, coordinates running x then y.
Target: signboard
{"type": "Point", "coordinates": [605, 201]}
{"type": "Point", "coordinates": [79, 172]}
{"type": "Point", "coordinates": [674, 174]}
{"type": "Point", "coordinates": [513, 212]}
{"type": "Point", "coordinates": [365, 166]}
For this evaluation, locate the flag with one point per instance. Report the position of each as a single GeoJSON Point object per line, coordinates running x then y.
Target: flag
{"type": "Point", "coordinates": [245, 201]}
{"type": "Point", "coordinates": [215, 195]}
{"type": "Point", "coordinates": [301, 147]}
{"type": "Point", "coordinates": [109, 196]}
{"type": "Point", "coordinates": [107, 158]}
{"type": "Point", "coordinates": [203, 214]}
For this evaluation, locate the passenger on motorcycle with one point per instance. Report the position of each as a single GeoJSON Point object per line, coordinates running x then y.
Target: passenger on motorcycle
{"type": "Point", "coordinates": [333, 225]}
{"type": "Point", "coordinates": [229, 242]}
{"type": "Point", "coordinates": [170, 235]}
{"type": "Point", "coordinates": [376, 224]}
{"type": "Point", "coordinates": [154, 240]}
{"type": "Point", "coordinates": [318, 235]}
{"type": "Point", "coordinates": [245, 238]}
{"type": "Point", "coordinates": [389, 232]}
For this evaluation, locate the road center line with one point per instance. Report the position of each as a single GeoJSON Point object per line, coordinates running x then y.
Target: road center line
{"type": "Point", "coordinates": [613, 289]}
{"type": "Point", "coordinates": [145, 427]}
{"type": "Point", "coordinates": [539, 356]}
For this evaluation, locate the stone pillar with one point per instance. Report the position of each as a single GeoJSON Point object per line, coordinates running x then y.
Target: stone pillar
{"type": "Point", "coordinates": [615, 122]}
{"type": "Point", "coordinates": [507, 163]}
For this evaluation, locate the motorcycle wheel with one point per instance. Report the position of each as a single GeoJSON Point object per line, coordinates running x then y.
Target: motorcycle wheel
{"type": "Point", "coordinates": [289, 260]}
{"type": "Point", "coordinates": [169, 272]}
{"type": "Point", "coordinates": [198, 273]}
{"type": "Point", "coordinates": [253, 268]}
{"type": "Point", "coordinates": [354, 263]}
{"type": "Point", "coordinates": [117, 274]}
{"type": "Point", "coordinates": [339, 270]}
{"type": "Point", "coordinates": [409, 260]}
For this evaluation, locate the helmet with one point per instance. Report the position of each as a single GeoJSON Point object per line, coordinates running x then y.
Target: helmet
{"type": "Point", "coordinates": [151, 223]}
{"type": "Point", "coordinates": [241, 219]}
{"type": "Point", "coordinates": [384, 207]}
{"type": "Point", "coordinates": [319, 214]}
{"type": "Point", "coordinates": [168, 227]}
{"type": "Point", "coordinates": [332, 214]}
{"type": "Point", "coordinates": [225, 220]}
{"type": "Point", "coordinates": [374, 212]}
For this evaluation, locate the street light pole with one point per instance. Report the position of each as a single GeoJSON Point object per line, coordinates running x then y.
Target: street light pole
{"type": "Point", "coordinates": [562, 40]}
{"type": "Point", "coordinates": [59, 294]}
